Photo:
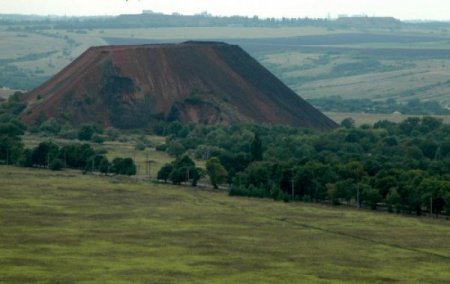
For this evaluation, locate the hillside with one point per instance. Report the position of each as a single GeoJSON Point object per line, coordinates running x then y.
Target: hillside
{"type": "Point", "coordinates": [136, 85]}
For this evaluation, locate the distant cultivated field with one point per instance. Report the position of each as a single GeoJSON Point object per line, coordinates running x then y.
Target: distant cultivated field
{"type": "Point", "coordinates": [67, 228]}
{"type": "Point", "coordinates": [210, 32]}
{"type": "Point", "coordinates": [371, 118]}
{"type": "Point", "coordinates": [5, 93]}
{"type": "Point", "coordinates": [351, 74]}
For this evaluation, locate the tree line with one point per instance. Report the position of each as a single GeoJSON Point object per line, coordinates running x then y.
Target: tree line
{"type": "Point", "coordinates": [402, 167]}
{"type": "Point", "coordinates": [410, 107]}
{"type": "Point", "coordinates": [50, 155]}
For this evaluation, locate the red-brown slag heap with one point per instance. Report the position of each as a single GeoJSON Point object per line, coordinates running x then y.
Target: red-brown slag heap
{"type": "Point", "coordinates": [201, 82]}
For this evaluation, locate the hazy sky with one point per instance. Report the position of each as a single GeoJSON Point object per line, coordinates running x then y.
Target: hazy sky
{"type": "Point", "coordinates": [402, 9]}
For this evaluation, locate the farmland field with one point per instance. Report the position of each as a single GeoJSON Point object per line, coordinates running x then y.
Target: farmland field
{"type": "Point", "coordinates": [371, 118]}
{"type": "Point", "coordinates": [371, 73]}
{"type": "Point", "coordinates": [66, 227]}
{"type": "Point", "coordinates": [207, 33]}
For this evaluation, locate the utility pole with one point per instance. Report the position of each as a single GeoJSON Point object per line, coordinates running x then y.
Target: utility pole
{"type": "Point", "coordinates": [187, 174]}
{"type": "Point", "coordinates": [48, 160]}
{"type": "Point", "coordinates": [292, 186]}
{"type": "Point", "coordinates": [357, 197]}
{"type": "Point", "coordinates": [149, 170]}
{"type": "Point", "coordinates": [431, 206]}
{"type": "Point", "coordinates": [146, 164]}
{"type": "Point", "coordinates": [7, 156]}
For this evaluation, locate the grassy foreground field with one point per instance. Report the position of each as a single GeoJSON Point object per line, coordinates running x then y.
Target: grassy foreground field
{"type": "Point", "coordinates": [65, 228]}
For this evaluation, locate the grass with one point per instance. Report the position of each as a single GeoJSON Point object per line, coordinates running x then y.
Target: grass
{"type": "Point", "coordinates": [67, 228]}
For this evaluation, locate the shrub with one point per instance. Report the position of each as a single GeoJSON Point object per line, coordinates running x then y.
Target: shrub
{"type": "Point", "coordinates": [161, 148]}
{"type": "Point", "coordinates": [85, 133]}
{"type": "Point", "coordinates": [99, 139]}
{"type": "Point", "coordinates": [56, 165]}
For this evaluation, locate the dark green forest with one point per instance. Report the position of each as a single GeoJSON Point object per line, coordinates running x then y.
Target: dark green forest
{"type": "Point", "coordinates": [50, 155]}
{"type": "Point", "coordinates": [401, 167]}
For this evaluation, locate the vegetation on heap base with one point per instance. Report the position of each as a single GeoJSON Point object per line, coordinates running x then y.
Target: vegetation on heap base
{"type": "Point", "coordinates": [48, 154]}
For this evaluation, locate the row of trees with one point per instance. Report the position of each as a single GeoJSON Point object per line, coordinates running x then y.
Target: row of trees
{"type": "Point", "coordinates": [411, 107]}
{"type": "Point", "coordinates": [48, 154]}
{"type": "Point", "coordinates": [403, 167]}
{"type": "Point", "coordinates": [75, 156]}
{"type": "Point", "coordinates": [149, 19]}
{"type": "Point", "coordinates": [183, 169]}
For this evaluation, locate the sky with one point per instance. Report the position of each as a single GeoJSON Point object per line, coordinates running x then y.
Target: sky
{"type": "Point", "coordinates": [401, 9]}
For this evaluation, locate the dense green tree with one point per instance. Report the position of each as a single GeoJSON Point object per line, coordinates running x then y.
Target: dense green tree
{"type": "Point", "coordinates": [182, 169]}
{"type": "Point", "coordinates": [353, 170]}
{"type": "Point", "coordinates": [256, 150]}
{"type": "Point", "coordinates": [11, 145]}
{"type": "Point", "coordinates": [348, 122]}
{"type": "Point", "coordinates": [104, 166]}
{"type": "Point", "coordinates": [430, 123]}
{"type": "Point", "coordinates": [123, 166]}
{"type": "Point", "coordinates": [346, 190]}
{"type": "Point", "coordinates": [393, 200]}
{"type": "Point", "coordinates": [434, 192]}
{"type": "Point", "coordinates": [78, 156]}
{"type": "Point", "coordinates": [164, 172]}
{"type": "Point", "coordinates": [369, 196]}
{"type": "Point", "coordinates": [216, 172]}
{"type": "Point", "coordinates": [175, 148]}
{"type": "Point", "coordinates": [51, 126]}
{"type": "Point", "coordinates": [26, 159]}
{"type": "Point", "coordinates": [44, 153]}
{"type": "Point", "coordinates": [196, 174]}
{"type": "Point", "coordinates": [85, 133]}
{"type": "Point", "coordinates": [56, 165]}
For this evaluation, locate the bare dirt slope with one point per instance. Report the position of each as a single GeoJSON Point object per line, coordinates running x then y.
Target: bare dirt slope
{"type": "Point", "coordinates": [201, 82]}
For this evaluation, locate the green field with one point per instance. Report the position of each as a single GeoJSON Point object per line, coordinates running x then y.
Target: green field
{"type": "Point", "coordinates": [66, 228]}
